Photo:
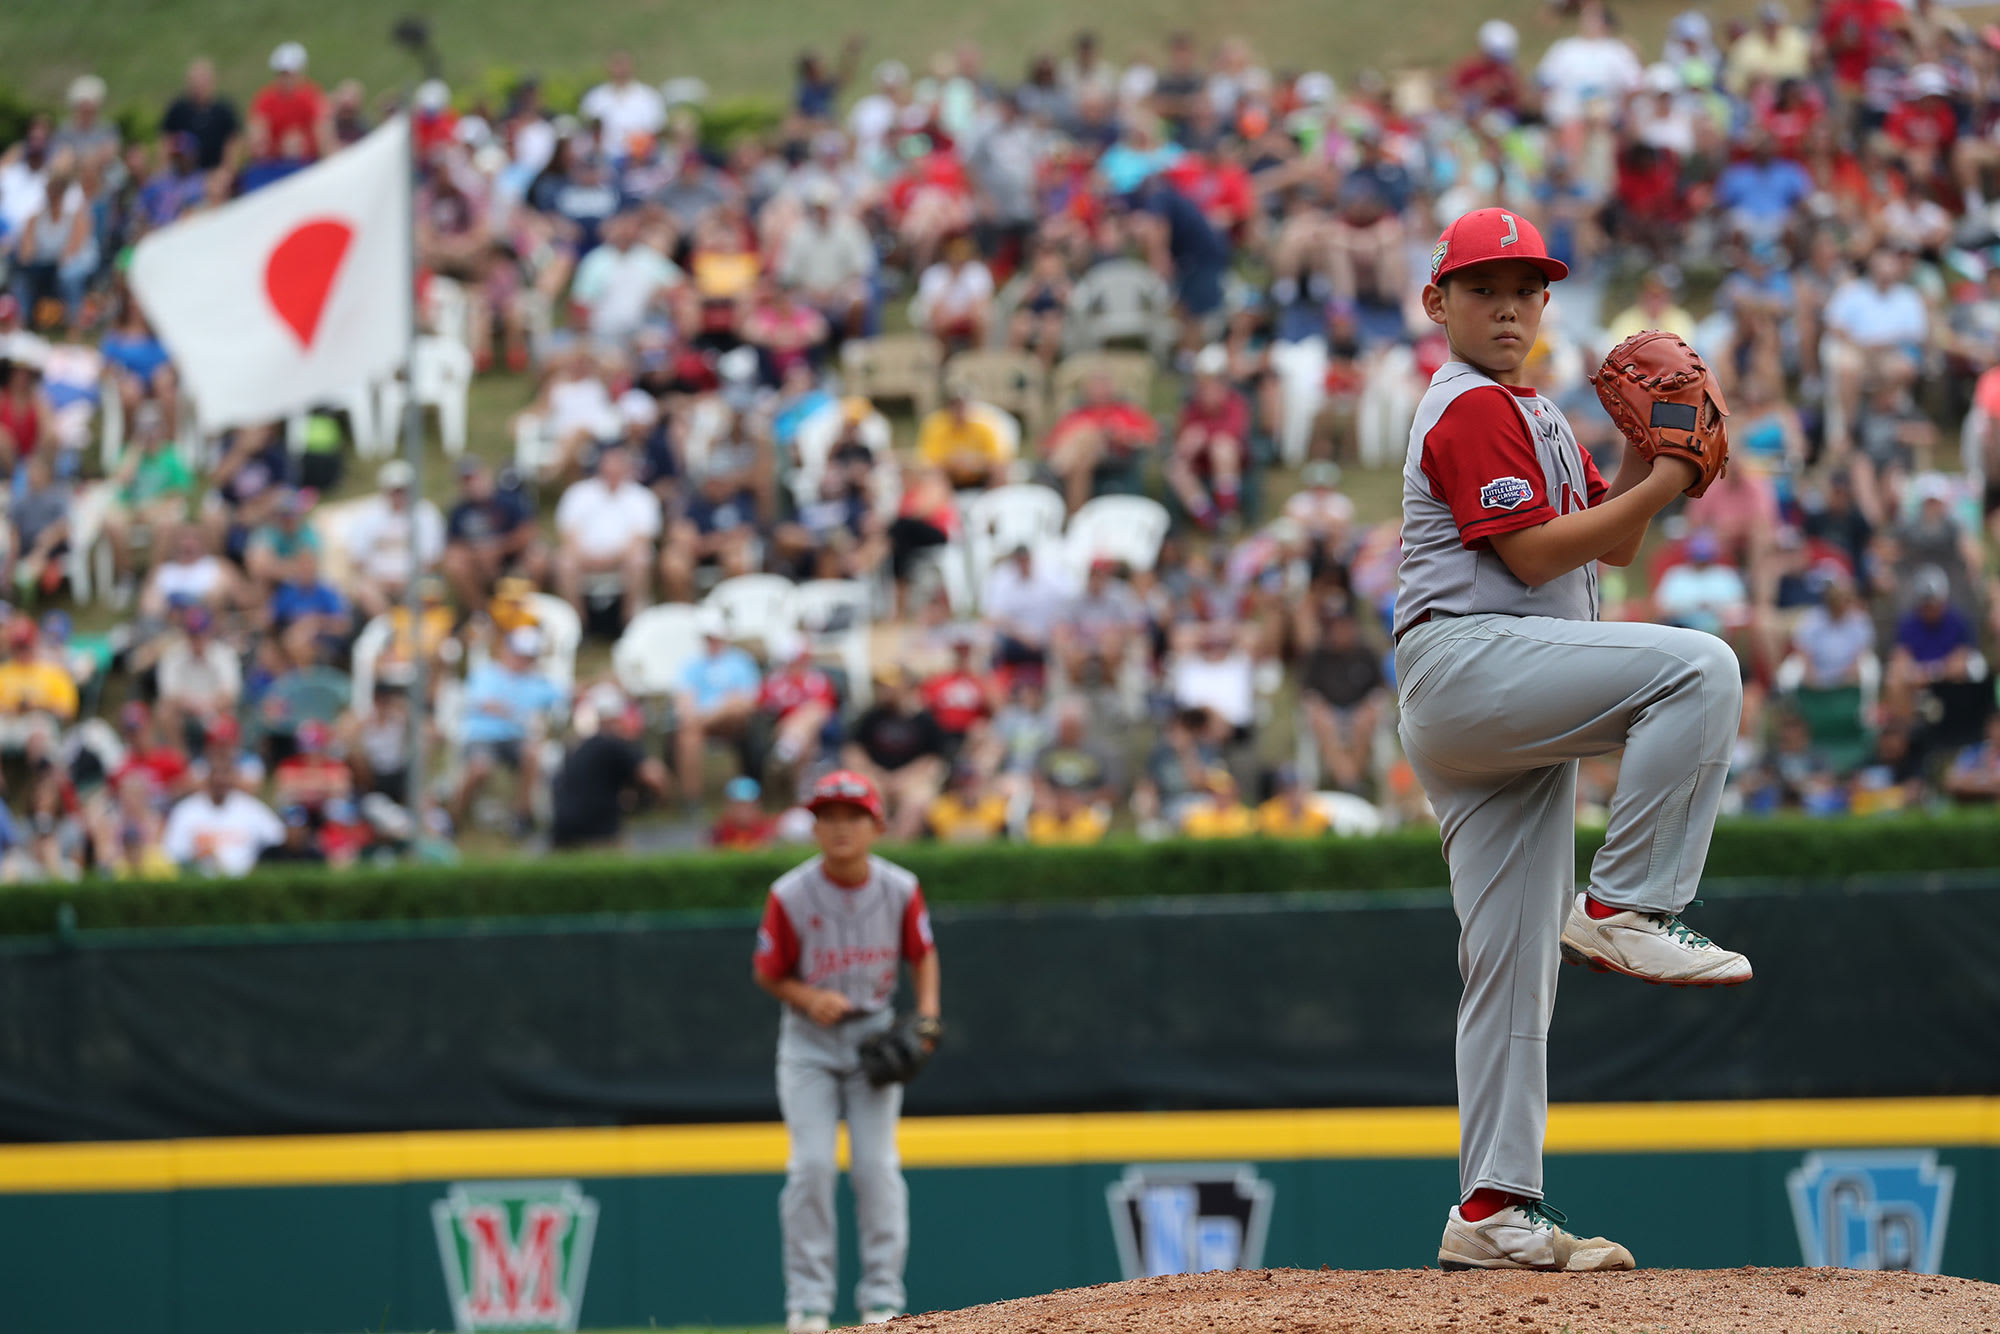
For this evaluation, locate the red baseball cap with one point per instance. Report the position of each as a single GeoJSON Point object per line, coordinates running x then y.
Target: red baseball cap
{"type": "Point", "coordinates": [1493, 233]}
{"type": "Point", "coordinates": [844, 787]}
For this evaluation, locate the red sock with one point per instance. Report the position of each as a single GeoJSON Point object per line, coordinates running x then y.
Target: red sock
{"type": "Point", "coordinates": [1485, 1203]}
{"type": "Point", "coordinates": [1596, 911]}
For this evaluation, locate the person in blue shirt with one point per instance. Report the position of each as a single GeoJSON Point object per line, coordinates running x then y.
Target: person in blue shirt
{"type": "Point", "coordinates": [1760, 192]}
{"type": "Point", "coordinates": [717, 699]}
{"type": "Point", "coordinates": [306, 611]}
{"type": "Point", "coordinates": [508, 703]}
{"type": "Point", "coordinates": [1934, 641]}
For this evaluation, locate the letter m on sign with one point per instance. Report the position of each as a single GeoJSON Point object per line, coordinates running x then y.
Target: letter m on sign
{"type": "Point", "coordinates": [515, 1253]}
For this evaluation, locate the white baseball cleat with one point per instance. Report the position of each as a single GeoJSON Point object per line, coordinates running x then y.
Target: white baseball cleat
{"type": "Point", "coordinates": [879, 1315]}
{"type": "Point", "coordinates": [1653, 947]}
{"type": "Point", "coordinates": [804, 1322]}
{"type": "Point", "coordinates": [1525, 1236]}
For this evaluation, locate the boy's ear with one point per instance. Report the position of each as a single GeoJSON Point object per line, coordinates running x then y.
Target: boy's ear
{"type": "Point", "coordinates": [1434, 302]}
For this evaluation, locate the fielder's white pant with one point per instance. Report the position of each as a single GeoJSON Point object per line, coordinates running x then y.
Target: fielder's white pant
{"type": "Point", "coordinates": [1496, 712]}
{"type": "Point", "coordinates": [816, 1092]}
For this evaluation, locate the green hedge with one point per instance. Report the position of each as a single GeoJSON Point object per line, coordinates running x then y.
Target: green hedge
{"type": "Point", "coordinates": [570, 885]}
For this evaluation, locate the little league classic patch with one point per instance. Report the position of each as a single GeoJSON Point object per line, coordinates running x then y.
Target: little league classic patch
{"type": "Point", "coordinates": [1505, 493]}
{"type": "Point", "coordinates": [1437, 257]}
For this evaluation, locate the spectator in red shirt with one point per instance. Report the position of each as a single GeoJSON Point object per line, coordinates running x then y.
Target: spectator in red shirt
{"type": "Point", "coordinates": [292, 104]}
{"type": "Point", "coordinates": [1212, 444]}
{"type": "Point", "coordinates": [797, 700]}
{"type": "Point", "coordinates": [1102, 434]}
{"type": "Point", "coordinates": [147, 755]}
{"type": "Point", "coordinates": [1491, 80]}
{"type": "Point", "coordinates": [960, 698]}
{"type": "Point", "coordinates": [742, 822]}
{"type": "Point", "coordinates": [1650, 206]}
{"type": "Point", "coordinates": [1925, 120]}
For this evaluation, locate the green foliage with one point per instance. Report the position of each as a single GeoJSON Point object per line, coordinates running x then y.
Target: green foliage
{"type": "Point", "coordinates": [728, 123]}
{"type": "Point", "coordinates": [606, 883]}
{"type": "Point", "coordinates": [15, 113]}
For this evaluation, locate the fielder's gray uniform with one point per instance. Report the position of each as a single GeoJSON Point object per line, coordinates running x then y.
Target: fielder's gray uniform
{"type": "Point", "coordinates": [1503, 688]}
{"type": "Point", "coordinates": [852, 940]}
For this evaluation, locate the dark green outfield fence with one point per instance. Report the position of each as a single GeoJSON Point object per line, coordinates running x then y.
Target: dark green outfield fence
{"type": "Point", "coordinates": [1878, 987]}
{"type": "Point", "coordinates": [1795, 849]}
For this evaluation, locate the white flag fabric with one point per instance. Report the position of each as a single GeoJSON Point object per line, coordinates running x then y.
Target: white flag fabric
{"type": "Point", "coordinates": [293, 294]}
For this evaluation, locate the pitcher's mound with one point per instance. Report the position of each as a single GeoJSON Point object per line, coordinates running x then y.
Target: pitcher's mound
{"type": "Point", "coordinates": [1393, 1301]}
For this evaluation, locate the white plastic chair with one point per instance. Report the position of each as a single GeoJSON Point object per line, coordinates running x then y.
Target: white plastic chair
{"type": "Point", "coordinates": [657, 645]}
{"type": "Point", "coordinates": [89, 548]}
{"type": "Point", "coordinates": [835, 615]}
{"type": "Point", "coordinates": [1006, 517]}
{"type": "Point", "coordinates": [755, 607]}
{"type": "Point", "coordinates": [1119, 300]}
{"type": "Point", "coordinates": [562, 631]}
{"type": "Point", "coordinates": [448, 310]}
{"type": "Point", "coordinates": [367, 651]}
{"type": "Point", "coordinates": [534, 444]}
{"type": "Point", "coordinates": [1127, 529]}
{"type": "Point", "coordinates": [101, 739]}
{"type": "Point", "coordinates": [814, 442]}
{"type": "Point", "coordinates": [1350, 816]}
{"type": "Point", "coordinates": [1005, 425]}
{"type": "Point", "coordinates": [1301, 369]}
{"type": "Point", "coordinates": [443, 380]}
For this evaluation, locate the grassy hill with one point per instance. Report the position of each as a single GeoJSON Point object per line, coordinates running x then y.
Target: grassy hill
{"type": "Point", "coordinates": [741, 47]}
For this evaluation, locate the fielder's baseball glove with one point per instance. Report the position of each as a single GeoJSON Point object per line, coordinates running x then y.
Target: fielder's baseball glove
{"type": "Point", "coordinates": [1665, 401]}
{"type": "Point", "coordinates": [897, 1053]}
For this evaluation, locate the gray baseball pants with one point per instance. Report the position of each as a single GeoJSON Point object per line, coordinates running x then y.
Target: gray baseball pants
{"type": "Point", "coordinates": [1496, 712]}
{"type": "Point", "coordinates": [818, 1087]}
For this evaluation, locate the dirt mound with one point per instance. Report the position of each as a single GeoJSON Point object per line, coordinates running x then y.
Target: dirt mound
{"type": "Point", "coordinates": [1392, 1301]}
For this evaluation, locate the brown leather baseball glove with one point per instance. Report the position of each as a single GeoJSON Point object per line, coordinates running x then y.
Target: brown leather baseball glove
{"type": "Point", "coordinates": [1666, 401]}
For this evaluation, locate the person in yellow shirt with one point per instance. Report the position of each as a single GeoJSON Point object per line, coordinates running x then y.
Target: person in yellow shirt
{"type": "Point", "coordinates": [1775, 49]}
{"type": "Point", "coordinates": [1221, 815]}
{"type": "Point", "coordinates": [1289, 813]}
{"type": "Point", "coordinates": [967, 446]}
{"type": "Point", "coordinates": [1654, 309]}
{"type": "Point", "coordinates": [1068, 818]}
{"type": "Point", "coordinates": [967, 811]}
{"type": "Point", "coordinates": [35, 693]}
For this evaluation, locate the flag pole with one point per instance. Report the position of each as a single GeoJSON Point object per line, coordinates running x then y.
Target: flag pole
{"type": "Point", "coordinates": [413, 453]}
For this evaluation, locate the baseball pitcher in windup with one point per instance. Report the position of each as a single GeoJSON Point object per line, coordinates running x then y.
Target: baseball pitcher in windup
{"type": "Point", "coordinates": [1507, 679]}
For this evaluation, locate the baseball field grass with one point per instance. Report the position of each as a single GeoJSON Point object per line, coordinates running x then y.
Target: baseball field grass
{"type": "Point", "coordinates": [741, 49]}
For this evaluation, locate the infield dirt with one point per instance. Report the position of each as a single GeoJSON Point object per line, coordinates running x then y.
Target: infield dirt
{"type": "Point", "coordinates": [1404, 1301]}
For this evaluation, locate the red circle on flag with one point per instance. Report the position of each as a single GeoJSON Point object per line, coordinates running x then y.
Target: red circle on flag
{"type": "Point", "coordinates": [299, 274]}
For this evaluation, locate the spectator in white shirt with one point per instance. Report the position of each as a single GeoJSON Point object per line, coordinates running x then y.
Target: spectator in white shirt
{"type": "Point", "coordinates": [1877, 329]}
{"type": "Point", "coordinates": [190, 573]}
{"type": "Point", "coordinates": [1218, 673]}
{"type": "Point", "coordinates": [1833, 638]}
{"type": "Point", "coordinates": [955, 297]}
{"type": "Point", "coordinates": [827, 260]}
{"type": "Point", "coordinates": [607, 524]}
{"type": "Point", "coordinates": [199, 676]}
{"type": "Point", "coordinates": [379, 540]}
{"type": "Point", "coordinates": [1578, 70]}
{"type": "Point", "coordinates": [623, 108]}
{"type": "Point", "coordinates": [1024, 600]}
{"type": "Point", "coordinates": [577, 411]}
{"type": "Point", "coordinates": [220, 829]}
{"type": "Point", "coordinates": [625, 279]}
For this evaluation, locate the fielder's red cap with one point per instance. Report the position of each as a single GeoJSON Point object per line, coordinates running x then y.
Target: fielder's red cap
{"type": "Point", "coordinates": [844, 787]}
{"type": "Point", "coordinates": [1493, 233]}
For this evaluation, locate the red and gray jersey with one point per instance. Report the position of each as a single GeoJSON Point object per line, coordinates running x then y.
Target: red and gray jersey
{"type": "Point", "coordinates": [846, 938]}
{"type": "Point", "coordinates": [1486, 459]}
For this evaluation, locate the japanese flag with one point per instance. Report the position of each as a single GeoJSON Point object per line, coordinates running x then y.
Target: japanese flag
{"type": "Point", "coordinates": [293, 294]}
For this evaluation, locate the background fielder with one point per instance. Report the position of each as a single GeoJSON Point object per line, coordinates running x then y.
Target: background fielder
{"type": "Point", "coordinates": [1506, 681]}
{"type": "Point", "coordinates": [835, 933]}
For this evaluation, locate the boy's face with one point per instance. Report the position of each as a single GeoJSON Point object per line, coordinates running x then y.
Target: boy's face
{"type": "Point", "coordinates": [844, 832]}
{"type": "Point", "coordinates": [1491, 312]}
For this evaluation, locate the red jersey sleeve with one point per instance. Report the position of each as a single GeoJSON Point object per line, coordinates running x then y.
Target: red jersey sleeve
{"type": "Point", "coordinates": [1593, 480]}
{"type": "Point", "coordinates": [917, 941]}
{"type": "Point", "coordinates": [777, 943]}
{"type": "Point", "coordinates": [1481, 462]}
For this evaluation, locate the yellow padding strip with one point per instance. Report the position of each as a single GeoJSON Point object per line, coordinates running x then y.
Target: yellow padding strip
{"type": "Point", "coordinates": [985, 1141]}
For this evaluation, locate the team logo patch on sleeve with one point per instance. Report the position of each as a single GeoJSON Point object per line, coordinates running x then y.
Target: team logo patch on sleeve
{"type": "Point", "coordinates": [1506, 493]}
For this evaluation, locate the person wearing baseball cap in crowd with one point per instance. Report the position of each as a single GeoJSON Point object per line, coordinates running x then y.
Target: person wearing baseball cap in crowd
{"type": "Point", "coordinates": [378, 539]}
{"type": "Point", "coordinates": [291, 105]}
{"type": "Point", "coordinates": [1507, 680]}
{"type": "Point", "coordinates": [509, 704]}
{"type": "Point", "coordinates": [742, 822]}
{"type": "Point", "coordinates": [601, 778]}
{"type": "Point", "coordinates": [829, 928]}
{"type": "Point", "coordinates": [220, 829]}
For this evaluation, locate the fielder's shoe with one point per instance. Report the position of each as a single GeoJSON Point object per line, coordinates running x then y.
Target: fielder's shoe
{"type": "Point", "coordinates": [804, 1322]}
{"type": "Point", "coordinates": [879, 1315]}
{"type": "Point", "coordinates": [1525, 1236]}
{"type": "Point", "coordinates": [1653, 947]}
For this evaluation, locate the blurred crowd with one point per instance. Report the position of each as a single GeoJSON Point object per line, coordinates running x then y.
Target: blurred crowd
{"type": "Point", "coordinates": [896, 353]}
